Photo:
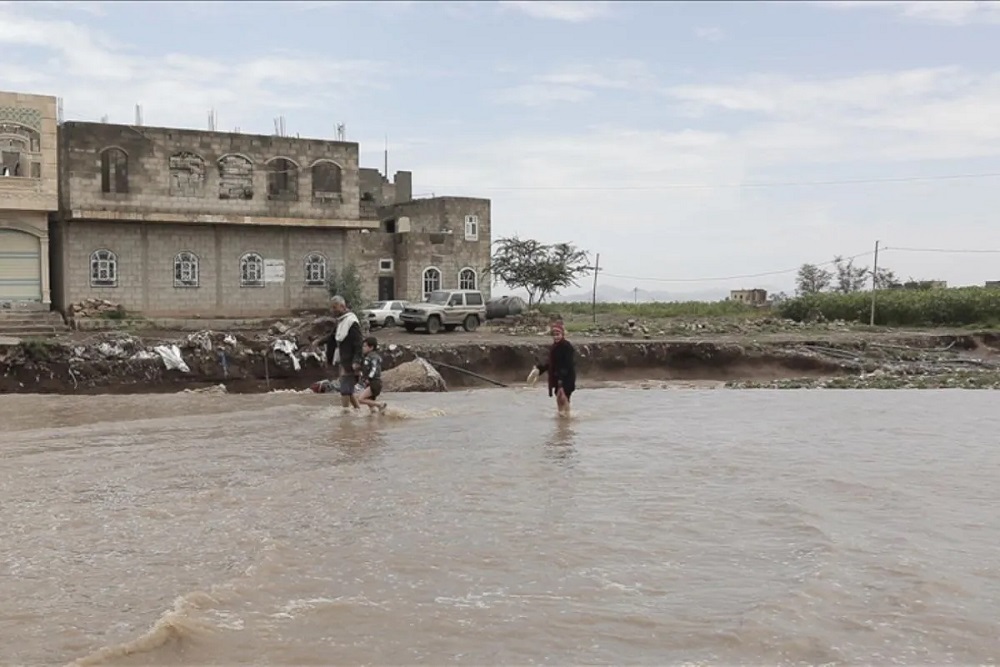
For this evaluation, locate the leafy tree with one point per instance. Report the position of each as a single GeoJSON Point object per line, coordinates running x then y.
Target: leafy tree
{"type": "Point", "coordinates": [849, 278]}
{"type": "Point", "coordinates": [346, 283]}
{"type": "Point", "coordinates": [541, 270]}
{"type": "Point", "coordinates": [885, 278]}
{"type": "Point", "coordinates": [812, 280]}
{"type": "Point", "coordinates": [776, 299]}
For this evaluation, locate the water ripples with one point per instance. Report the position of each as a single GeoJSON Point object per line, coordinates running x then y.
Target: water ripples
{"type": "Point", "coordinates": [681, 527]}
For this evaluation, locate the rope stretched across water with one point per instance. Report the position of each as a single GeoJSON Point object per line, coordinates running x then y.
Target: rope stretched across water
{"type": "Point", "coordinates": [467, 372]}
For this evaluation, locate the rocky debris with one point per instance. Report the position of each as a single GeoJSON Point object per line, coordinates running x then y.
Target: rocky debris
{"type": "Point", "coordinates": [413, 376]}
{"type": "Point", "coordinates": [869, 365]}
{"type": "Point", "coordinates": [95, 308]}
{"type": "Point", "coordinates": [307, 330]}
{"type": "Point", "coordinates": [289, 360]}
{"type": "Point", "coordinates": [529, 323]}
{"type": "Point", "coordinates": [679, 326]}
{"type": "Point", "coordinates": [214, 389]}
{"type": "Point", "coordinates": [882, 379]}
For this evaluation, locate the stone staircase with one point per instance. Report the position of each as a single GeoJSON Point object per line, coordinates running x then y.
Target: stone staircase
{"type": "Point", "coordinates": [31, 324]}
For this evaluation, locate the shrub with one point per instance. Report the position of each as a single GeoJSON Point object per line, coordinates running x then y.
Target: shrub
{"type": "Point", "coordinates": [901, 307]}
{"type": "Point", "coordinates": [346, 283]}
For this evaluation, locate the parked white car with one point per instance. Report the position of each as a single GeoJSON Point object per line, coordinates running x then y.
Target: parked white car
{"type": "Point", "coordinates": [383, 313]}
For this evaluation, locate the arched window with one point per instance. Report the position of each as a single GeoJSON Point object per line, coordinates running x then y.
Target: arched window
{"type": "Point", "coordinates": [315, 270]}
{"type": "Point", "coordinates": [186, 269]}
{"type": "Point", "coordinates": [467, 279]}
{"type": "Point", "coordinates": [282, 180]}
{"type": "Point", "coordinates": [20, 148]}
{"type": "Point", "coordinates": [114, 171]}
{"type": "Point", "coordinates": [103, 269]}
{"type": "Point", "coordinates": [187, 174]}
{"type": "Point", "coordinates": [251, 270]}
{"type": "Point", "coordinates": [235, 177]}
{"type": "Point", "coordinates": [432, 280]}
{"type": "Point", "coordinates": [326, 181]}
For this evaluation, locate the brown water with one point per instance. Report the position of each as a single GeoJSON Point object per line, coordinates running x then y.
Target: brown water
{"type": "Point", "coordinates": [655, 527]}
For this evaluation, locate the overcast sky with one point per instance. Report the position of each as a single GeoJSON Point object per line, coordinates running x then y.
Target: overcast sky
{"type": "Point", "coordinates": [642, 131]}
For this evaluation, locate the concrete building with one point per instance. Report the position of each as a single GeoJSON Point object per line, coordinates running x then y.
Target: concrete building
{"type": "Point", "coordinates": [28, 194]}
{"type": "Point", "coordinates": [753, 297]}
{"type": "Point", "coordinates": [181, 223]}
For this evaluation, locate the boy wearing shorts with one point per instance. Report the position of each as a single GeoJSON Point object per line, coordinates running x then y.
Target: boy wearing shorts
{"type": "Point", "coordinates": [371, 375]}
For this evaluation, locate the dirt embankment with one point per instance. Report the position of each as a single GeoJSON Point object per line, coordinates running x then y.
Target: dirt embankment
{"type": "Point", "coordinates": [244, 363]}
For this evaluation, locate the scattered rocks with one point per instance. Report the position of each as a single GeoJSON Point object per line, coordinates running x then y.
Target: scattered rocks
{"type": "Point", "coordinates": [881, 379]}
{"type": "Point", "coordinates": [530, 323]}
{"type": "Point", "coordinates": [96, 308]}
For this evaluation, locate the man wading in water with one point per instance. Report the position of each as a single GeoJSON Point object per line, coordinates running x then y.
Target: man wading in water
{"type": "Point", "coordinates": [561, 368]}
{"type": "Point", "coordinates": [343, 349]}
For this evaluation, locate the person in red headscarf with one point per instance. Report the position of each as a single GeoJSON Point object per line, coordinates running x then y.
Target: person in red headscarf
{"type": "Point", "coordinates": [561, 368]}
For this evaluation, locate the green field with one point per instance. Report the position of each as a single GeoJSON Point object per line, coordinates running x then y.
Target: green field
{"type": "Point", "coordinates": [960, 306]}
{"type": "Point", "coordinates": [654, 310]}
{"type": "Point", "coordinates": [957, 307]}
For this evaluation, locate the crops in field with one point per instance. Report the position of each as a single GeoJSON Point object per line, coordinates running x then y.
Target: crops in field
{"type": "Point", "coordinates": [657, 310]}
{"type": "Point", "coordinates": [901, 307]}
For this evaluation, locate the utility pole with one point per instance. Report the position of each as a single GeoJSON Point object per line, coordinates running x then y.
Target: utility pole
{"type": "Point", "coordinates": [635, 295]}
{"type": "Point", "coordinates": [871, 322]}
{"type": "Point", "coordinates": [593, 302]}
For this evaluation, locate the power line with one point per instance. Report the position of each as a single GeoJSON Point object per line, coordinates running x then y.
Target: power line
{"type": "Point", "coordinates": [796, 269]}
{"type": "Point", "coordinates": [942, 250]}
{"type": "Point", "coordinates": [741, 277]}
{"type": "Point", "coordinates": [723, 186]}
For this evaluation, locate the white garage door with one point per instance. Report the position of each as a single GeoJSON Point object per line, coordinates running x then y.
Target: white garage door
{"type": "Point", "coordinates": [20, 267]}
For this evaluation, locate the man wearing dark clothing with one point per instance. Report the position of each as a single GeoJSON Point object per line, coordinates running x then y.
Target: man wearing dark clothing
{"type": "Point", "coordinates": [343, 349]}
{"type": "Point", "coordinates": [561, 368]}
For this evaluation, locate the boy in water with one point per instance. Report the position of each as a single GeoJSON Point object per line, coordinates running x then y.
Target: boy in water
{"type": "Point", "coordinates": [561, 368]}
{"type": "Point", "coordinates": [371, 375]}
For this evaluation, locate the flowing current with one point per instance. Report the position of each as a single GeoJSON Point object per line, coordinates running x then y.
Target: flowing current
{"type": "Point", "coordinates": [653, 527]}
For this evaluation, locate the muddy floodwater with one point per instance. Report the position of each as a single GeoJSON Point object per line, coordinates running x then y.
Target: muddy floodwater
{"type": "Point", "coordinates": [654, 527]}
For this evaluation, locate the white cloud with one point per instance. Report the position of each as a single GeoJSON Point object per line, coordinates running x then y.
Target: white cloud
{"type": "Point", "coordinates": [633, 194]}
{"type": "Point", "coordinates": [919, 114]}
{"type": "Point", "coordinates": [578, 83]}
{"type": "Point", "coordinates": [97, 76]}
{"type": "Point", "coordinates": [710, 34]}
{"type": "Point", "coordinates": [537, 95]}
{"type": "Point", "coordinates": [948, 12]}
{"type": "Point", "coordinates": [571, 12]}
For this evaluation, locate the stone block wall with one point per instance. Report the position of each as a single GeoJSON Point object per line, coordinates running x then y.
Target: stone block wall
{"type": "Point", "coordinates": [146, 254]}
{"type": "Point", "coordinates": [381, 191]}
{"type": "Point", "coordinates": [28, 128]}
{"type": "Point", "coordinates": [437, 239]}
{"type": "Point", "coordinates": [233, 176]}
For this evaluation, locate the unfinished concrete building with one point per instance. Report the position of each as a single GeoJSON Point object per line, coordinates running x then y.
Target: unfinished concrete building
{"type": "Point", "coordinates": [182, 223]}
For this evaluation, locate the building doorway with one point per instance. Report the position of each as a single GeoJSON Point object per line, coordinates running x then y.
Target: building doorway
{"type": "Point", "coordinates": [20, 266]}
{"type": "Point", "coordinates": [386, 288]}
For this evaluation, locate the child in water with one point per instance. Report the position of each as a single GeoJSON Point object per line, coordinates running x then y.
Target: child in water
{"type": "Point", "coordinates": [561, 368]}
{"type": "Point", "coordinates": [371, 375]}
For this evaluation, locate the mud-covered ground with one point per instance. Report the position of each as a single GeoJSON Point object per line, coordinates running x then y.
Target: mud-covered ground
{"type": "Point", "coordinates": [758, 353]}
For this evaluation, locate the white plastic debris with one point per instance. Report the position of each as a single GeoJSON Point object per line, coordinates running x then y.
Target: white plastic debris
{"type": "Point", "coordinates": [143, 355]}
{"type": "Point", "coordinates": [172, 359]}
{"type": "Point", "coordinates": [230, 339]}
{"type": "Point", "coordinates": [111, 350]}
{"type": "Point", "coordinates": [313, 355]}
{"type": "Point", "coordinates": [288, 347]}
{"type": "Point", "coordinates": [203, 339]}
